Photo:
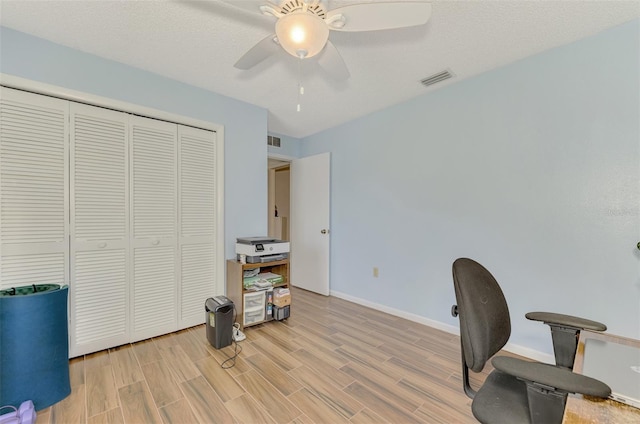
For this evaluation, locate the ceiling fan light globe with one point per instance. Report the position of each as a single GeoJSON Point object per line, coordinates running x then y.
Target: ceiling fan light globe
{"type": "Point", "coordinates": [302, 31]}
{"type": "Point", "coordinates": [298, 34]}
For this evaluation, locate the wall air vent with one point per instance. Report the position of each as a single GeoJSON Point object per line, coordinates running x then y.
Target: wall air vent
{"type": "Point", "coordinates": [436, 78]}
{"type": "Point", "coordinates": [273, 141]}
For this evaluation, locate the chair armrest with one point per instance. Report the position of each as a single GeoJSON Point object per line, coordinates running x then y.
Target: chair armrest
{"type": "Point", "coordinates": [555, 377]}
{"type": "Point", "coordinates": [566, 321]}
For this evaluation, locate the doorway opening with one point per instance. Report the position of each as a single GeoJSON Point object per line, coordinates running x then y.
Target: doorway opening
{"type": "Point", "coordinates": [279, 199]}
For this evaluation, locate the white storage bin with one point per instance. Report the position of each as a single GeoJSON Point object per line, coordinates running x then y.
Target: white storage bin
{"type": "Point", "coordinates": [251, 317]}
{"type": "Point", "coordinates": [254, 301]}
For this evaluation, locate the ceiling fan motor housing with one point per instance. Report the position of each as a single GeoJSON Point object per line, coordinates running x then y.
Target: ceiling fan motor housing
{"type": "Point", "coordinates": [315, 7]}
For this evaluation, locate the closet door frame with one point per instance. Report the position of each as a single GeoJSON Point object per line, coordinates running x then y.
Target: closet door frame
{"type": "Point", "coordinates": [11, 81]}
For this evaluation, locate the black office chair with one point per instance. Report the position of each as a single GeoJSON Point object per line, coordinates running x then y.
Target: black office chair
{"type": "Point", "coordinates": [516, 391]}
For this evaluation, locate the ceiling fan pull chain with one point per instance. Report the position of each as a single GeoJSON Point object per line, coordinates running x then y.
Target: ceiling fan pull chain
{"type": "Point", "coordinates": [300, 87]}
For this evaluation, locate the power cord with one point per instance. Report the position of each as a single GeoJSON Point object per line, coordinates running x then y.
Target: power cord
{"type": "Point", "coordinates": [236, 347]}
{"type": "Point", "coordinates": [236, 351]}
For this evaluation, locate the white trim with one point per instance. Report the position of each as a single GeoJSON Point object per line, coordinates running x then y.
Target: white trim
{"type": "Point", "coordinates": [280, 156]}
{"type": "Point", "coordinates": [37, 87]}
{"type": "Point", "coordinates": [221, 268]}
{"type": "Point", "coordinates": [513, 348]}
{"type": "Point", "coordinates": [530, 353]}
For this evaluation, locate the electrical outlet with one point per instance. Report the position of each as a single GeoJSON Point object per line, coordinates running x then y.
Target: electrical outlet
{"type": "Point", "coordinates": [375, 271]}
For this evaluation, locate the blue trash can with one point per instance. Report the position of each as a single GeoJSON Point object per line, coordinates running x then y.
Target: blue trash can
{"type": "Point", "coordinates": [34, 345]}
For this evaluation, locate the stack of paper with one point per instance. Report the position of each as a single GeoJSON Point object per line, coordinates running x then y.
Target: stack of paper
{"type": "Point", "coordinates": [262, 280]}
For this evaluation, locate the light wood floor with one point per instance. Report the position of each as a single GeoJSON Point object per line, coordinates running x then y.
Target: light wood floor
{"type": "Point", "coordinates": [332, 361]}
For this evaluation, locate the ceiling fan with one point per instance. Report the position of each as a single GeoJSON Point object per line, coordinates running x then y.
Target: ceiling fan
{"type": "Point", "coordinates": [302, 28]}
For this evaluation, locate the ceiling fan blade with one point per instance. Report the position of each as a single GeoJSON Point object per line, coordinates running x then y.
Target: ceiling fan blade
{"type": "Point", "coordinates": [331, 61]}
{"type": "Point", "coordinates": [377, 16]}
{"type": "Point", "coordinates": [251, 6]}
{"type": "Point", "coordinates": [258, 53]}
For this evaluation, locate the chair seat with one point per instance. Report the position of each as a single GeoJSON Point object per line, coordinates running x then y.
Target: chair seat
{"type": "Point", "coordinates": [501, 399]}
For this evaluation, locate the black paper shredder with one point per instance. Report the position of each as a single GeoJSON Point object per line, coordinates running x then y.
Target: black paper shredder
{"type": "Point", "coordinates": [219, 319]}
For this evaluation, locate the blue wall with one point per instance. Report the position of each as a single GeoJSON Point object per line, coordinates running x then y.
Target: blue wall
{"type": "Point", "coordinates": [532, 169]}
{"type": "Point", "coordinates": [245, 125]}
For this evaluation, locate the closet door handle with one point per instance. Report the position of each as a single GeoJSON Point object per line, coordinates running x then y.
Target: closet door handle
{"type": "Point", "coordinates": [102, 245]}
{"type": "Point", "coordinates": [155, 242]}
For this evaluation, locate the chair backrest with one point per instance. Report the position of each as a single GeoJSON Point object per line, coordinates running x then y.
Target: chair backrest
{"type": "Point", "coordinates": [485, 326]}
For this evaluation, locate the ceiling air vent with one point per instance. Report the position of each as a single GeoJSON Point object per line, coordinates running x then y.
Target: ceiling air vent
{"type": "Point", "coordinates": [273, 141]}
{"type": "Point", "coordinates": [436, 78]}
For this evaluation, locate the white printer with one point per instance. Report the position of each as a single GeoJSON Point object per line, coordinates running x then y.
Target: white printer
{"type": "Point", "coordinates": [261, 249]}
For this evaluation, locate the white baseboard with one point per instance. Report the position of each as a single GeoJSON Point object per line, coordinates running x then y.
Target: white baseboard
{"type": "Point", "coordinates": [513, 348]}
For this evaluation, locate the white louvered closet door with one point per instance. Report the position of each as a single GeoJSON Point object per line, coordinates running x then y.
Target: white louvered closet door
{"type": "Point", "coordinates": [33, 189]}
{"type": "Point", "coordinates": [99, 229]}
{"type": "Point", "coordinates": [198, 209]}
{"type": "Point", "coordinates": [154, 219]}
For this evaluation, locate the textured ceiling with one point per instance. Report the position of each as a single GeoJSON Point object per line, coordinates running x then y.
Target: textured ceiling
{"type": "Point", "coordinates": [197, 42]}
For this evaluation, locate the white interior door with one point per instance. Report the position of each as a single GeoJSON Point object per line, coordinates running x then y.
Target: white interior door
{"type": "Point", "coordinates": [153, 227]}
{"type": "Point", "coordinates": [99, 229]}
{"type": "Point", "coordinates": [198, 230]}
{"type": "Point", "coordinates": [34, 212]}
{"type": "Point", "coordinates": [310, 194]}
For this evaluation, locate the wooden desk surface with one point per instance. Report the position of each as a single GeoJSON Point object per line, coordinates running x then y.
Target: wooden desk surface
{"type": "Point", "coordinates": [585, 409]}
